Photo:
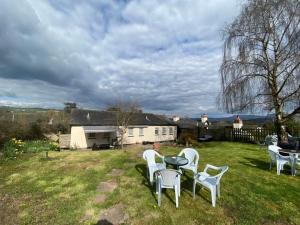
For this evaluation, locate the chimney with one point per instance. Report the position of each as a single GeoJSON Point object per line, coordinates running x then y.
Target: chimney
{"type": "Point", "coordinates": [176, 118]}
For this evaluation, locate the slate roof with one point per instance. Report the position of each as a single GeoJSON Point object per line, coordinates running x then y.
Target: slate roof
{"type": "Point", "coordinates": [186, 123]}
{"type": "Point", "coordinates": [80, 117]}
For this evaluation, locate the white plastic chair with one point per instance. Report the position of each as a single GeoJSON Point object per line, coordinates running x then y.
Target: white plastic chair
{"type": "Point", "coordinates": [271, 140]}
{"type": "Point", "coordinates": [279, 159]}
{"type": "Point", "coordinates": [168, 178]}
{"type": "Point", "coordinates": [149, 155]}
{"type": "Point", "coordinates": [297, 164]}
{"type": "Point", "coordinates": [193, 158]}
{"type": "Point", "coordinates": [210, 182]}
{"type": "Point", "coordinates": [295, 161]}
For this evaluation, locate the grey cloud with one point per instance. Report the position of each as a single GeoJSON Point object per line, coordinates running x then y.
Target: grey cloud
{"type": "Point", "coordinates": [164, 55]}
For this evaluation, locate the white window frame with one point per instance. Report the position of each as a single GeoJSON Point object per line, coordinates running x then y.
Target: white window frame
{"type": "Point", "coordinates": [171, 131]}
{"type": "Point", "coordinates": [141, 131]}
{"type": "Point", "coordinates": [164, 131]}
{"type": "Point", "coordinates": [130, 132]}
{"type": "Point", "coordinates": [156, 132]}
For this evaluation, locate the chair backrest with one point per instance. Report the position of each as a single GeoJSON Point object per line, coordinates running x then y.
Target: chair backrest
{"type": "Point", "coordinates": [149, 156]}
{"type": "Point", "coordinates": [191, 154]}
{"type": "Point", "coordinates": [168, 177]}
{"type": "Point", "coordinates": [271, 140]}
{"type": "Point", "coordinates": [273, 151]}
{"type": "Point", "coordinates": [223, 170]}
{"type": "Point", "coordinates": [272, 154]}
{"type": "Point", "coordinates": [274, 148]}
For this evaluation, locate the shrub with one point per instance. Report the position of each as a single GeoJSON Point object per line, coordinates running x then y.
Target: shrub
{"type": "Point", "coordinates": [40, 146]}
{"type": "Point", "coordinates": [14, 147]}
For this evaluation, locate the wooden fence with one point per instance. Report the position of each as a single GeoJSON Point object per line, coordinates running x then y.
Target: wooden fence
{"type": "Point", "coordinates": [241, 135]}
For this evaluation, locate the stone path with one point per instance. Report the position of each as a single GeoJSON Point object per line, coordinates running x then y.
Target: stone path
{"type": "Point", "coordinates": [115, 214]}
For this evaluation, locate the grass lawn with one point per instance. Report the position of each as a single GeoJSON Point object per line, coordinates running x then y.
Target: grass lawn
{"type": "Point", "coordinates": [82, 187]}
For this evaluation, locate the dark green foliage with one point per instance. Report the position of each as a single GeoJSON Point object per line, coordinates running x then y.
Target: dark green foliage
{"type": "Point", "coordinates": [69, 106]}
{"type": "Point", "coordinates": [31, 125]}
{"type": "Point", "coordinates": [15, 147]}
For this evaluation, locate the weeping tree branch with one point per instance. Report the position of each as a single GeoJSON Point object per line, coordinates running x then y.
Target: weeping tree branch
{"type": "Point", "coordinates": [261, 60]}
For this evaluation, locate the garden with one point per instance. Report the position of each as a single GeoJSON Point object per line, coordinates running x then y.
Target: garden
{"type": "Point", "coordinates": [111, 187]}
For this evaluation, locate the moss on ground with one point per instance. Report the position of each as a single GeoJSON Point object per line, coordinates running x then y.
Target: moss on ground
{"type": "Point", "coordinates": [63, 190]}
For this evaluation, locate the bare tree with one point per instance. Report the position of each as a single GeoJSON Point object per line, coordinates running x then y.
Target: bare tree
{"type": "Point", "coordinates": [124, 111]}
{"type": "Point", "coordinates": [261, 62]}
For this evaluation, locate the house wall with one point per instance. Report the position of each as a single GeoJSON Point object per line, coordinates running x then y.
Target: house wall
{"type": "Point", "coordinates": [149, 135]}
{"type": "Point", "coordinates": [79, 139]}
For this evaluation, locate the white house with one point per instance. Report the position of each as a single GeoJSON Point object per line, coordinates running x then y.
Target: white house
{"type": "Point", "coordinates": [100, 127]}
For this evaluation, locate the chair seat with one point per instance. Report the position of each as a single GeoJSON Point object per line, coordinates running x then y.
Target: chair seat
{"type": "Point", "coordinates": [158, 166]}
{"type": "Point", "coordinates": [206, 180]}
{"type": "Point", "coordinates": [283, 160]}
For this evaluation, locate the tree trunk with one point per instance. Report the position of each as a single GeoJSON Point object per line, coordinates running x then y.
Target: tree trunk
{"type": "Point", "coordinates": [279, 125]}
{"type": "Point", "coordinates": [122, 143]}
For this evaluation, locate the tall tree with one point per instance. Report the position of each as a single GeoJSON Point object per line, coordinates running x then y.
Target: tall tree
{"type": "Point", "coordinates": [261, 62]}
{"type": "Point", "coordinates": [69, 106]}
{"type": "Point", "coordinates": [124, 111]}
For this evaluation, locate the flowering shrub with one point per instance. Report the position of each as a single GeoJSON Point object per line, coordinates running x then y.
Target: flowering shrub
{"type": "Point", "coordinates": [14, 147]}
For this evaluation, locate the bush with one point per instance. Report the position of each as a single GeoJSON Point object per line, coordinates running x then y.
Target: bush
{"type": "Point", "coordinates": [14, 147]}
{"type": "Point", "coordinates": [40, 146]}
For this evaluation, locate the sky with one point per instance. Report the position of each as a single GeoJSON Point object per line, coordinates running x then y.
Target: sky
{"type": "Point", "coordinates": [164, 55]}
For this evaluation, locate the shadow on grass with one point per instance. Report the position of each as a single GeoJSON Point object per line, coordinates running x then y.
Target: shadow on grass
{"type": "Point", "coordinates": [142, 169]}
{"type": "Point", "coordinates": [256, 163]}
{"type": "Point", "coordinates": [264, 165]}
{"type": "Point", "coordinates": [104, 222]}
{"type": "Point", "coordinates": [200, 193]}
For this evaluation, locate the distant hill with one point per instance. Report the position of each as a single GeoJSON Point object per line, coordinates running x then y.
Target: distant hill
{"type": "Point", "coordinates": [20, 109]}
{"type": "Point", "coordinates": [250, 118]}
{"type": "Point", "coordinates": [243, 117]}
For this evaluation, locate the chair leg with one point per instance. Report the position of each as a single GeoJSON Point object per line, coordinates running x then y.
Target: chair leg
{"type": "Point", "coordinates": [176, 195]}
{"type": "Point", "coordinates": [151, 173]}
{"type": "Point", "coordinates": [194, 189]}
{"type": "Point", "coordinates": [159, 196]}
{"type": "Point", "coordinates": [278, 168]}
{"type": "Point", "coordinates": [179, 186]}
{"type": "Point", "coordinates": [213, 196]}
{"type": "Point", "coordinates": [156, 184]}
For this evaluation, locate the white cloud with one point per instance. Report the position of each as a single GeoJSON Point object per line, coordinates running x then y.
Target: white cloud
{"type": "Point", "coordinates": [164, 54]}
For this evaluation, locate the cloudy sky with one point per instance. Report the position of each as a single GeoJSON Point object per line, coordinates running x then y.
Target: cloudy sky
{"type": "Point", "coordinates": [163, 54]}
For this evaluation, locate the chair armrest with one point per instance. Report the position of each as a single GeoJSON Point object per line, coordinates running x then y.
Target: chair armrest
{"type": "Point", "coordinates": [159, 155]}
{"type": "Point", "coordinates": [283, 157]}
{"type": "Point", "coordinates": [208, 166]}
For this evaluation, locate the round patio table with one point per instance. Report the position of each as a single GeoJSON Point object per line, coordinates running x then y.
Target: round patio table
{"type": "Point", "coordinates": [293, 155]}
{"type": "Point", "coordinates": [176, 161]}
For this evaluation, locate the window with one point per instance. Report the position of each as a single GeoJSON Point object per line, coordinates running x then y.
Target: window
{"type": "Point", "coordinates": [130, 132]}
{"type": "Point", "coordinates": [91, 135]}
{"type": "Point", "coordinates": [164, 131]}
{"type": "Point", "coordinates": [141, 132]}
{"type": "Point", "coordinates": [171, 131]}
{"type": "Point", "coordinates": [156, 131]}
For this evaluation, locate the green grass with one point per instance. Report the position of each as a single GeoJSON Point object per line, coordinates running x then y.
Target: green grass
{"type": "Point", "coordinates": [62, 190]}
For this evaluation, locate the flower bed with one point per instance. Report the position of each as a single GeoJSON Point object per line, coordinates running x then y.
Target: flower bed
{"type": "Point", "coordinates": [15, 147]}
